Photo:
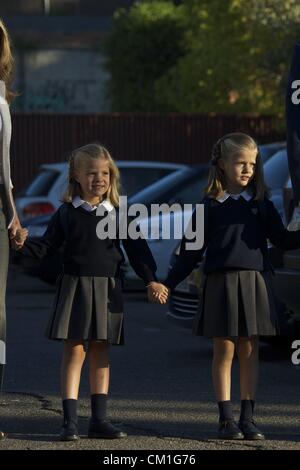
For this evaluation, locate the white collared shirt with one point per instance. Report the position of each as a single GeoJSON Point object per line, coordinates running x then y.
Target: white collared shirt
{"type": "Point", "coordinates": [246, 194]}
{"type": "Point", "coordinates": [77, 201]}
{"type": "Point", "coordinates": [2, 101]}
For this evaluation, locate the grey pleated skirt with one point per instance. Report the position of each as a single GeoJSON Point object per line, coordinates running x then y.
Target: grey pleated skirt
{"type": "Point", "coordinates": [88, 308]}
{"type": "Point", "coordinates": [236, 303]}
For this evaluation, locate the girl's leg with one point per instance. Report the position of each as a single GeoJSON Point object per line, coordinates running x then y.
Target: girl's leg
{"type": "Point", "coordinates": [221, 367]}
{"type": "Point", "coordinates": [73, 358]}
{"type": "Point", "coordinates": [98, 367]}
{"type": "Point", "coordinates": [248, 351]}
{"type": "Point", "coordinates": [99, 384]}
{"type": "Point", "coordinates": [221, 373]}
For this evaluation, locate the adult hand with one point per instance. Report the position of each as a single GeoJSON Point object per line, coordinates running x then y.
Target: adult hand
{"type": "Point", "coordinates": [18, 240]}
{"type": "Point", "coordinates": [14, 227]}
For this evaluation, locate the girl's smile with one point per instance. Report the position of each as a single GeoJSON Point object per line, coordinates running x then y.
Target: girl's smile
{"type": "Point", "coordinates": [94, 180]}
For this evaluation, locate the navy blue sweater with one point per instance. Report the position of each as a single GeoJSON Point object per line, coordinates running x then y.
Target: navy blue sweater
{"type": "Point", "coordinates": [84, 253]}
{"type": "Point", "coordinates": [235, 237]}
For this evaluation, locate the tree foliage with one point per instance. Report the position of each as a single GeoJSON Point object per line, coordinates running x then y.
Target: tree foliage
{"type": "Point", "coordinates": [203, 55]}
{"type": "Point", "coordinates": [146, 41]}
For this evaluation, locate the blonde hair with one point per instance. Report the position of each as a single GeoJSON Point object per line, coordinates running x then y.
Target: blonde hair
{"type": "Point", "coordinates": [83, 154]}
{"type": "Point", "coordinates": [6, 61]}
{"type": "Point", "coordinates": [226, 147]}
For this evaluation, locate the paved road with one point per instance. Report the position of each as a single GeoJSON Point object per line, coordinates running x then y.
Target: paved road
{"type": "Point", "coordinates": [161, 392]}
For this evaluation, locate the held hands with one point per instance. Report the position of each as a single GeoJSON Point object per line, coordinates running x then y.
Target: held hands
{"type": "Point", "coordinates": [18, 239]}
{"type": "Point", "coordinates": [157, 292]}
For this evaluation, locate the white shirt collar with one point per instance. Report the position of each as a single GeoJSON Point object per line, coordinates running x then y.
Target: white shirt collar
{"type": "Point", "coordinates": [77, 202]}
{"type": "Point", "coordinates": [247, 194]}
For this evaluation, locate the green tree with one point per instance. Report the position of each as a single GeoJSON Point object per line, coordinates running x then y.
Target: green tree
{"type": "Point", "coordinates": [223, 56]}
{"type": "Point", "coordinates": [238, 55]}
{"type": "Point", "coordinates": [146, 41]}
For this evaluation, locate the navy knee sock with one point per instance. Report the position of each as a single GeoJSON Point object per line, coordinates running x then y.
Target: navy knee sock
{"type": "Point", "coordinates": [247, 409]}
{"type": "Point", "coordinates": [98, 406]}
{"type": "Point", "coordinates": [225, 410]}
{"type": "Point", "coordinates": [70, 412]}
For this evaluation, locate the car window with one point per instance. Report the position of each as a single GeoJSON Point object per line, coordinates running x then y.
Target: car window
{"type": "Point", "coordinates": [276, 171]}
{"type": "Point", "coordinates": [41, 184]}
{"type": "Point", "coordinates": [192, 193]}
{"type": "Point", "coordinates": [134, 180]}
{"type": "Point", "coordinates": [267, 150]}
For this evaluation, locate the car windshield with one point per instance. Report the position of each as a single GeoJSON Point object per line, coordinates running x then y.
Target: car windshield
{"type": "Point", "coordinates": [134, 180]}
{"type": "Point", "coordinates": [42, 184]}
{"type": "Point", "coordinates": [276, 171]}
{"type": "Point", "coordinates": [182, 186]}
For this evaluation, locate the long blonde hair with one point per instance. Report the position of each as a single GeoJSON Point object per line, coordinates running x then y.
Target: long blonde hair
{"type": "Point", "coordinates": [81, 155]}
{"type": "Point", "coordinates": [6, 61]}
{"type": "Point", "coordinates": [226, 147]}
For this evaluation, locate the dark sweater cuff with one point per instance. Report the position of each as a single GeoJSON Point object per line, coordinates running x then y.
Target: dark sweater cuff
{"type": "Point", "coordinates": [148, 276]}
{"type": "Point", "coordinates": [169, 283]}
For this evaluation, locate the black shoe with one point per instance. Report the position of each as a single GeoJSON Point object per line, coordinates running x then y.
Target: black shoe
{"type": "Point", "coordinates": [229, 430]}
{"type": "Point", "coordinates": [2, 435]}
{"type": "Point", "coordinates": [250, 430]}
{"type": "Point", "coordinates": [104, 430]}
{"type": "Point", "coordinates": [69, 433]}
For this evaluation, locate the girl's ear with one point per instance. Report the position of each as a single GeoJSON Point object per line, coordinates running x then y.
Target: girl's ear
{"type": "Point", "coordinates": [75, 176]}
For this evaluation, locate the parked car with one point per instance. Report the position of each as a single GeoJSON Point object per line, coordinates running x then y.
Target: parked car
{"type": "Point", "coordinates": [43, 194]}
{"type": "Point", "coordinates": [277, 179]}
{"type": "Point", "coordinates": [267, 150]}
{"type": "Point", "coordinates": [184, 185]}
{"type": "Point", "coordinates": [185, 189]}
{"type": "Point", "coordinates": [287, 270]}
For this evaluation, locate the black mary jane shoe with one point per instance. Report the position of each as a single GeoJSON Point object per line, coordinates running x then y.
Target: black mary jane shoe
{"type": "Point", "coordinates": [104, 430]}
{"type": "Point", "coordinates": [2, 435]}
{"type": "Point", "coordinates": [251, 431]}
{"type": "Point", "coordinates": [229, 430]}
{"type": "Point", "coordinates": [69, 433]}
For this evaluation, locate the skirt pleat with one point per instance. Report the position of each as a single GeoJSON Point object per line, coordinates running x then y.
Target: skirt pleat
{"type": "Point", "coordinates": [87, 308]}
{"type": "Point", "coordinates": [237, 303]}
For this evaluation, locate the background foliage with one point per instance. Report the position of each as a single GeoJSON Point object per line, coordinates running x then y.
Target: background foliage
{"type": "Point", "coordinates": [202, 56]}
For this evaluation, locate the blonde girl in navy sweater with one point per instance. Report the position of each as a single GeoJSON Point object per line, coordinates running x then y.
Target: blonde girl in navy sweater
{"type": "Point", "coordinates": [237, 302]}
{"type": "Point", "coordinates": [88, 310]}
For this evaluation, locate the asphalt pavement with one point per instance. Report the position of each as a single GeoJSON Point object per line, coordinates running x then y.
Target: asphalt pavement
{"type": "Point", "coordinates": [160, 394]}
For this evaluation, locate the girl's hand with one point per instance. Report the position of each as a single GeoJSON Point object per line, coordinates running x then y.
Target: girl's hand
{"type": "Point", "coordinates": [17, 241]}
{"type": "Point", "coordinates": [157, 292]}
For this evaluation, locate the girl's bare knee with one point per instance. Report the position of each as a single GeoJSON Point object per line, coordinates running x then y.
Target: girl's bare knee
{"type": "Point", "coordinates": [224, 349]}
{"type": "Point", "coordinates": [74, 350]}
{"type": "Point", "coordinates": [247, 347]}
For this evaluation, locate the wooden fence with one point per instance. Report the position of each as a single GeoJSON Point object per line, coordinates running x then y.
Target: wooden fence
{"type": "Point", "coordinates": [182, 138]}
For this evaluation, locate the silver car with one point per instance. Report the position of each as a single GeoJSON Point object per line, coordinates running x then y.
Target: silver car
{"type": "Point", "coordinates": [43, 194]}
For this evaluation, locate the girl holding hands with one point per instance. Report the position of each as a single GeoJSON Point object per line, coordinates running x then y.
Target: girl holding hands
{"type": "Point", "coordinates": [237, 303]}
{"type": "Point", "coordinates": [88, 309]}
